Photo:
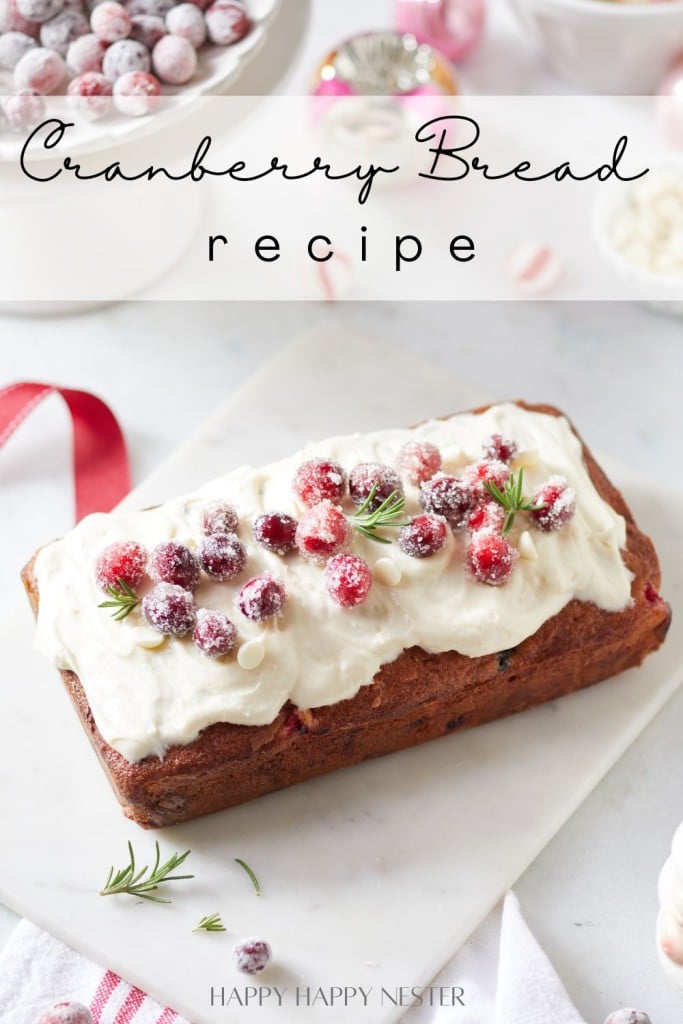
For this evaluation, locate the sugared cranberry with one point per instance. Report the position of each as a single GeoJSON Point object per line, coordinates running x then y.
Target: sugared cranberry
{"type": "Point", "coordinates": [219, 518]}
{"type": "Point", "coordinates": [446, 496]}
{"type": "Point", "coordinates": [110, 21]}
{"type": "Point", "coordinates": [423, 536]}
{"type": "Point", "coordinates": [368, 475]}
{"type": "Point", "coordinates": [59, 32]}
{"type": "Point", "coordinates": [147, 29]}
{"type": "Point", "coordinates": [319, 480]}
{"type": "Point", "coordinates": [322, 532]}
{"type": "Point", "coordinates": [24, 109]}
{"type": "Point", "coordinates": [154, 8]}
{"type": "Point", "coordinates": [173, 562]}
{"type": "Point", "coordinates": [13, 46]}
{"type": "Point", "coordinates": [418, 461]}
{"type": "Point", "coordinates": [487, 471]}
{"type": "Point", "coordinates": [90, 95]}
{"type": "Point", "coordinates": [223, 556]}
{"type": "Point", "coordinates": [122, 561]}
{"type": "Point", "coordinates": [251, 955]}
{"type": "Point", "coordinates": [12, 21]}
{"type": "Point", "coordinates": [85, 54]}
{"type": "Point", "coordinates": [348, 579]}
{"type": "Point", "coordinates": [174, 60]}
{"type": "Point", "coordinates": [499, 449]}
{"type": "Point", "coordinates": [627, 1016]}
{"type": "Point", "coordinates": [227, 21]}
{"type": "Point", "coordinates": [491, 558]}
{"type": "Point", "coordinates": [263, 597]}
{"type": "Point", "coordinates": [214, 635]}
{"type": "Point", "coordinates": [125, 57]}
{"type": "Point", "coordinates": [39, 69]}
{"type": "Point", "coordinates": [486, 515]}
{"type": "Point", "coordinates": [276, 531]}
{"type": "Point", "coordinates": [557, 503]}
{"type": "Point", "coordinates": [136, 94]}
{"type": "Point", "coordinates": [39, 10]}
{"type": "Point", "coordinates": [170, 609]}
{"type": "Point", "coordinates": [66, 1013]}
{"type": "Point", "coordinates": [187, 20]}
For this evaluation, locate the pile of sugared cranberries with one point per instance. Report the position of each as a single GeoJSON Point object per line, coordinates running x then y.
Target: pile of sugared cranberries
{"type": "Point", "coordinates": [54, 46]}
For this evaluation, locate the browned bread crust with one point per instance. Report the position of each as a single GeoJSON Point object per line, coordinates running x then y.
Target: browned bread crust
{"type": "Point", "coordinates": [417, 697]}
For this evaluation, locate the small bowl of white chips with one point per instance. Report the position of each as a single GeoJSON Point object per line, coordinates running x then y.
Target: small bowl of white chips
{"type": "Point", "coordinates": [639, 229]}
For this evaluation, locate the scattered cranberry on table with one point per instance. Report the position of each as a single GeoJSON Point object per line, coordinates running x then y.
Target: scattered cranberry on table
{"type": "Point", "coordinates": [262, 598]}
{"type": "Point", "coordinates": [122, 561]}
{"type": "Point", "coordinates": [252, 955]}
{"type": "Point", "coordinates": [66, 1013]}
{"type": "Point", "coordinates": [214, 634]}
{"type": "Point", "coordinates": [170, 609]}
{"type": "Point", "coordinates": [348, 579]}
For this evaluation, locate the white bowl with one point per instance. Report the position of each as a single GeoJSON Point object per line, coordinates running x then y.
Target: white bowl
{"type": "Point", "coordinates": [604, 46]}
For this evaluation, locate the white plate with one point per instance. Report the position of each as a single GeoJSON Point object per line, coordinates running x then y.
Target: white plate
{"type": "Point", "coordinates": [372, 876]}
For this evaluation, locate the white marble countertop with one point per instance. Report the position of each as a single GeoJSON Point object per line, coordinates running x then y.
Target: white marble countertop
{"type": "Point", "coordinates": [590, 897]}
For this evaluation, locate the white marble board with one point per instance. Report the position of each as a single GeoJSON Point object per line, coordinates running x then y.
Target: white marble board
{"type": "Point", "coordinates": [372, 876]}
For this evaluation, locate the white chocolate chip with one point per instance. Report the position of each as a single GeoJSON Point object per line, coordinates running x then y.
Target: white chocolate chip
{"type": "Point", "coordinates": [251, 654]}
{"type": "Point", "coordinates": [527, 548]}
{"type": "Point", "coordinates": [528, 458]}
{"type": "Point", "coordinates": [453, 457]}
{"type": "Point", "coordinates": [145, 636]}
{"type": "Point", "coordinates": [387, 571]}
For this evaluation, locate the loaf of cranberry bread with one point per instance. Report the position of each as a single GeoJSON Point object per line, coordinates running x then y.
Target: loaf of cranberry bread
{"type": "Point", "coordinates": [369, 594]}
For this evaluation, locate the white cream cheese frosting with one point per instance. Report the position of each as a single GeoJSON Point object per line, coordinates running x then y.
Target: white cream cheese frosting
{"type": "Point", "coordinates": [147, 692]}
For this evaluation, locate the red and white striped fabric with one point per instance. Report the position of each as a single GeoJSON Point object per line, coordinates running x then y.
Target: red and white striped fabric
{"type": "Point", "coordinates": [37, 970]}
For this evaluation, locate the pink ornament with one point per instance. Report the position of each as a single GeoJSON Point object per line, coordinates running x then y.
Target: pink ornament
{"type": "Point", "coordinates": [534, 267]}
{"type": "Point", "coordinates": [174, 60]}
{"type": "Point", "coordinates": [670, 106]}
{"type": "Point", "coordinates": [454, 27]}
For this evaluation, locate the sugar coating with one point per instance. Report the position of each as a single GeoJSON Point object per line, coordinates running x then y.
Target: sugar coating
{"type": "Point", "coordinates": [40, 69]}
{"type": "Point", "coordinates": [187, 20]}
{"type": "Point", "coordinates": [124, 57]}
{"type": "Point", "coordinates": [13, 46]}
{"type": "Point", "coordinates": [227, 21]}
{"type": "Point", "coordinates": [251, 955]}
{"type": "Point", "coordinates": [123, 560]}
{"type": "Point", "coordinates": [90, 95]}
{"type": "Point", "coordinates": [170, 609]}
{"type": "Point", "coordinates": [110, 21]}
{"type": "Point", "coordinates": [136, 93]}
{"type": "Point", "coordinates": [23, 109]}
{"type": "Point", "coordinates": [59, 32]}
{"type": "Point", "coordinates": [648, 230]}
{"type": "Point", "coordinates": [322, 532]}
{"type": "Point", "coordinates": [86, 53]}
{"type": "Point", "coordinates": [223, 556]}
{"type": "Point", "coordinates": [214, 634]}
{"type": "Point", "coordinates": [348, 579]}
{"type": "Point", "coordinates": [147, 29]}
{"type": "Point", "coordinates": [418, 461]}
{"type": "Point", "coordinates": [262, 598]}
{"type": "Point", "coordinates": [39, 10]}
{"type": "Point", "coordinates": [174, 60]}
{"type": "Point", "coordinates": [66, 1013]}
{"type": "Point", "coordinates": [485, 515]}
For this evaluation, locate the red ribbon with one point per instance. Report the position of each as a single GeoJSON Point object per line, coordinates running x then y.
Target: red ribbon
{"type": "Point", "coordinates": [100, 457]}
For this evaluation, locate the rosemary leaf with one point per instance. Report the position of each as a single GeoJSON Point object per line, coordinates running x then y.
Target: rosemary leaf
{"type": "Point", "coordinates": [388, 515]}
{"type": "Point", "coordinates": [254, 880]}
{"type": "Point", "coordinates": [141, 883]}
{"type": "Point", "coordinates": [211, 923]}
{"type": "Point", "coordinates": [122, 599]}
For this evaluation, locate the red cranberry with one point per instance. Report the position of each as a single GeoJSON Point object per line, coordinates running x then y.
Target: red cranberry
{"type": "Point", "coordinates": [491, 558]}
{"type": "Point", "coordinates": [446, 496]}
{"type": "Point", "coordinates": [214, 635]}
{"type": "Point", "coordinates": [499, 449]}
{"type": "Point", "coordinates": [227, 21]}
{"type": "Point", "coordinates": [110, 21]}
{"type": "Point", "coordinates": [319, 480]}
{"type": "Point", "coordinates": [276, 531]}
{"type": "Point", "coordinates": [170, 609]}
{"type": "Point", "coordinates": [172, 562]}
{"type": "Point", "coordinates": [251, 955]}
{"type": "Point", "coordinates": [423, 536]}
{"type": "Point", "coordinates": [66, 1013]}
{"type": "Point", "coordinates": [322, 532]}
{"type": "Point", "coordinates": [223, 556]}
{"type": "Point", "coordinates": [122, 561]}
{"type": "Point", "coordinates": [86, 53]}
{"type": "Point", "coordinates": [418, 461]}
{"type": "Point", "coordinates": [219, 518]}
{"type": "Point", "coordinates": [651, 595]}
{"type": "Point", "coordinates": [136, 93]}
{"type": "Point", "coordinates": [23, 109]}
{"type": "Point", "coordinates": [486, 515]}
{"type": "Point", "coordinates": [39, 69]}
{"type": "Point", "coordinates": [558, 501]}
{"type": "Point", "coordinates": [480, 473]}
{"type": "Point", "coordinates": [261, 598]}
{"type": "Point", "coordinates": [125, 57]}
{"type": "Point", "coordinates": [348, 579]}
{"type": "Point", "coordinates": [39, 10]}
{"type": "Point", "coordinates": [367, 475]}
{"type": "Point", "coordinates": [90, 95]}
{"type": "Point", "coordinates": [13, 46]}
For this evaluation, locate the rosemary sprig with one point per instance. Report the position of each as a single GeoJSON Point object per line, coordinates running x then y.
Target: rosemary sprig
{"type": "Point", "coordinates": [211, 923]}
{"type": "Point", "coordinates": [386, 515]}
{"type": "Point", "coordinates": [512, 498]}
{"type": "Point", "coordinates": [123, 600]}
{"type": "Point", "coordinates": [134, 883]}
{"type": "Point", "coordinates": [254, 880]}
